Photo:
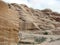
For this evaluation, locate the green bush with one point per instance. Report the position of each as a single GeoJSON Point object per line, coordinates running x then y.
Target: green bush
{"type": "Point", "coordinates": [45, 33]}
{"type": "Point", "coordinates": [40, 39]}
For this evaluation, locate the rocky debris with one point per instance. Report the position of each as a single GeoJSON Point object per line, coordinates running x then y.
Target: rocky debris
{"type": "Point", "coordinates": [31, 39]}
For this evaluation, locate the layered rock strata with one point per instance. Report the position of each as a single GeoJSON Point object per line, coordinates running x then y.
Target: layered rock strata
{"type": "Point", "coordinates": [19, 17]}
{"type": "Point", "coordinates": [38, 21]}
{"type": "Point", "coordinates": [9, 25]}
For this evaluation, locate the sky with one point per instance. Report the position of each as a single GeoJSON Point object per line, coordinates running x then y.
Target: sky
{"type": "Point", "coordinates": [39, 4]}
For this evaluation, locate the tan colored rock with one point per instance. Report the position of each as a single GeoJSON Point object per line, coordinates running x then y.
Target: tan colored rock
{"type": "Point", "coordinates": [9, 25]}
{"type": "Point", "coordinates": [34, 19]}
{"type": "Point", "coordinates": [15, 17]}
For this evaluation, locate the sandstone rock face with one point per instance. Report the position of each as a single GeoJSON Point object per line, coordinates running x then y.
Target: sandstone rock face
{"type": "Point", "coordinates": [9, 25]}
{"type": "Point", "coordinates": [37, 21]}
{"type": "Point", "coordinates": [18, 17]}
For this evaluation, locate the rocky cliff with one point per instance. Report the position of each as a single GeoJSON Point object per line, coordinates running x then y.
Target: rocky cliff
{"type": "Point", "coordinates": [19, 17]}
{"type": "Point", "coordinates": [37, 21]}
{"type": "Point", "coordinates": [9, 25]}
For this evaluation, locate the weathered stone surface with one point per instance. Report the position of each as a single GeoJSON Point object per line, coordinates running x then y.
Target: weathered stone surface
{"type": "Point", "coordinates": [35, 20]}
{"type": "Point", "coordinates": [18, 17]}
{"type": "Point", "coordinates": [38, 20]}
{"type": "Point", "coordinates": [9, 25]}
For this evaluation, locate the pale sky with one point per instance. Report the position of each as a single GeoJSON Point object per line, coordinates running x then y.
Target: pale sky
{"type": "Point", "coordinates": [39, 4]}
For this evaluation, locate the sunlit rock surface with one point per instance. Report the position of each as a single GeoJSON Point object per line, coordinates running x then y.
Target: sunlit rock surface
{"type": "Point", "coordinates": [19, 17]}
{"type": "Point", "coordinates": [38, 21]}
{"type": "Point", "coordinates": [9, 25]}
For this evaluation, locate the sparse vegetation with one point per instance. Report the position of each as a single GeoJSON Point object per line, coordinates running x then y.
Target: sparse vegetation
{"type": "Point", "coordinates": [58, 39]}
{"type": "Point", "coordinates": [45, 33]}
{"type": "Point", "coordinates": [40, 39]}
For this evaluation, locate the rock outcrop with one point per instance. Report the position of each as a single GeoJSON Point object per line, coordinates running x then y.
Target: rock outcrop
{"type": "Point", "coordinates": [38, 21]}
{"type": "Point", "coordinates": [19, 17]}
{"type": "Point", "coordinates": [9, 25]}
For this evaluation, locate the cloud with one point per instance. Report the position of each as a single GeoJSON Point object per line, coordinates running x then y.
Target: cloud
{"type": "Point", "coordinates": [18, 1]}
{"type": "Point", "coordinates": [39, 4]}
{"type": "Point", "coordinates": [42, 4]}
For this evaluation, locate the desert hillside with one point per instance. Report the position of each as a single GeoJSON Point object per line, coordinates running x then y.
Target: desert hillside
{"type": "Point", "coordinates": [37, 21]}
{"type": "Point", "coordinates": [16, 19]}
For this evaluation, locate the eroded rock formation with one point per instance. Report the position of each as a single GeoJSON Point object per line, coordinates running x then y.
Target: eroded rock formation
{"type": "Point", "coordinates": [18, 17]}
{"type": "Point", "coordinates": [38, 21]}
{"type": "Point", "coordinates": [9, 25]}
